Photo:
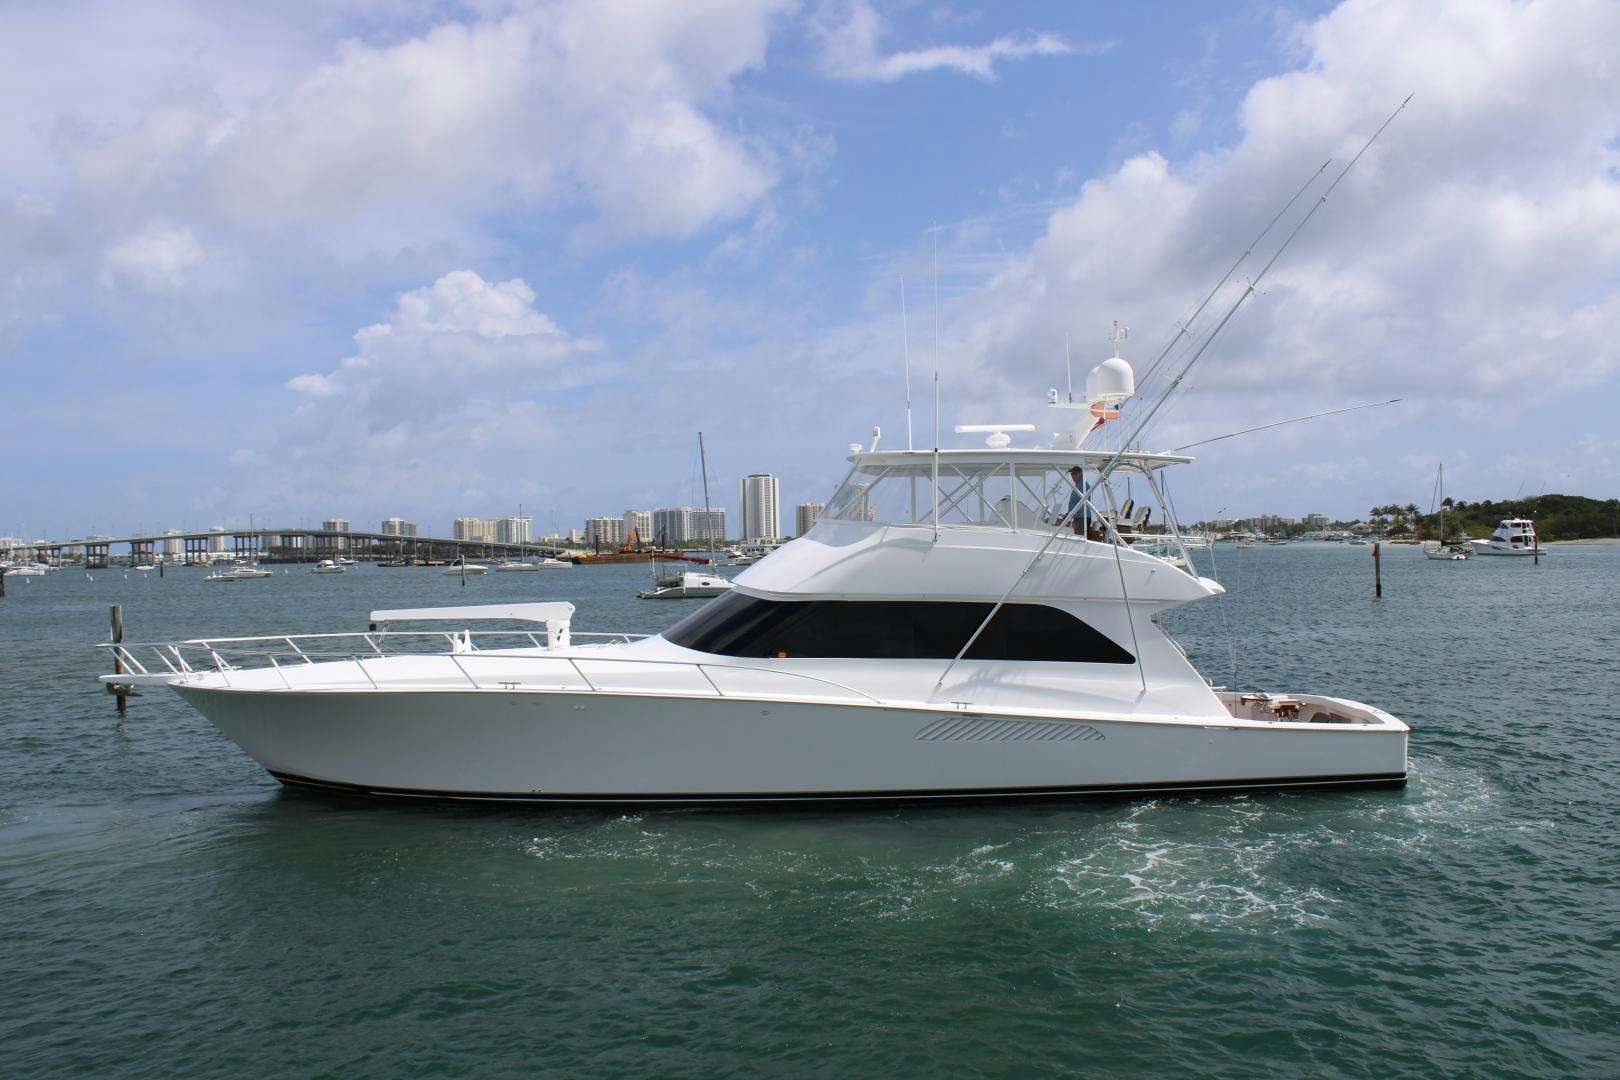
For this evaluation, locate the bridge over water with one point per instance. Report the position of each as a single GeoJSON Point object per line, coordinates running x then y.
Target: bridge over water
{"type": "Point", "coordinates": [284, 545]}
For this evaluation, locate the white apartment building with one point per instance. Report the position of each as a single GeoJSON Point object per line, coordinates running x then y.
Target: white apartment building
{"type": "Point", "coordinates": [604, 533]}
{"type": "Point", "coordinates": [804, 516]}
{"type": "Point", "coordinates": [640, 524]}
{"type": "Point", "coordinates": [335, 524]}
{"type": "Point", "coordinates": [688, 525]}
{"type": "Point", "coordinates": [172, 545]}
{"type": "Point", "coordinates": [513, 529]}
{"type": "Point", "coordinates": [394, 526]}
{"type": "Point", "coordinates": [496, 530]}
{"type": "Point", "coordinates": [216, 539]}
{"type": "Point", "coordinates": [760, 508]}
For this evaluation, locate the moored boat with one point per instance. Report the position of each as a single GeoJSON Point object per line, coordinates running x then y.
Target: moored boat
{"type": "Point", "coordinates": [1513, 537]}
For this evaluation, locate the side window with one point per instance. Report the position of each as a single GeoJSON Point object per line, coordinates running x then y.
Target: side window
{"type": "Point", "coordinates": [744, 626]}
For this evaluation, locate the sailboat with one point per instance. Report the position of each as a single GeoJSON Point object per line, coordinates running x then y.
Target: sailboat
{"type": "Point", "coordinates": [1443, 550]}
{"type": "Point", "coordinates": [690, 584]}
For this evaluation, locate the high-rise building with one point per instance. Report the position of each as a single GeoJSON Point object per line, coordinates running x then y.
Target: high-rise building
{"type": "Point", "coordinates": [335, 524]}
{"type": "Point", "coordinates": [710, 526]}
{"type": "Point", "coordinates": [604, 533]}
{"type": "Point", "coordinates": [467, 528]}
{"type": "Point", "coordinates": [394, 526]}
{"type": "Point", "coordinates": [216, 538]}
{"type": "Point", "coordinates": [761, 519]}
{"type": "Point", "coordinates": [638, 527]}
{"type": "Point", "coordinates": [512, 530]}
{"type": "Point", "coordinates": [804, 516]}
{"type": "Point", "coordinates": [688, 525]}
{"type": "Point", "coordinates": [171, 542]}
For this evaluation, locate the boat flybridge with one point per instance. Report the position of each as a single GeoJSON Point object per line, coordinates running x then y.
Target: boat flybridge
{"type": "Point", "coordinates": [961, 623]}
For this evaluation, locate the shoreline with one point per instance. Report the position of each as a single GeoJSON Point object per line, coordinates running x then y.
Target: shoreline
{"type": "Point", "coordinates": [1596, 541]}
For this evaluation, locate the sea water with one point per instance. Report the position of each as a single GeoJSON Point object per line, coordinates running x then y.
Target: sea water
{"type": "Point", "coordinates": [169, 910]}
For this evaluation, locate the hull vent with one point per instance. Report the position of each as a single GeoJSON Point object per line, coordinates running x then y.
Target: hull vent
{"type": "Point", "coordinates": [984, 729]}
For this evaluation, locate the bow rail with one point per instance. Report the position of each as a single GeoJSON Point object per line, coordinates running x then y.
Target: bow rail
{"type": "Point", "coordinates": [466, 659]}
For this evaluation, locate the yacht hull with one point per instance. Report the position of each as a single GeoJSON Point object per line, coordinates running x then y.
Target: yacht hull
{"type": "Point", "coordinates": [1480, 548]}
{"type": "Point", "coordinates": [558, 747]}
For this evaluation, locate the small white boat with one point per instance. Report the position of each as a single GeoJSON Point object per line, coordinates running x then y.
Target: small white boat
{"type": "Point", "coordinates": [467, 569]}
{"type": "Point", "coordinates": [25, 570]}
{"type": "Point", "coordinates": [1356, 541]}
{"type": "Point", "coordinates": [1514, 536]}
{"type": "Point", "coordinates": [344, 560]}
{"type": "Point", "coordinates": [687, 585]}
{"type": "Point", "coordinates": [241, 571]}
{"type": "Point", "coordinates": [513, 566]}
{"type": "Point", "coordinates": [751, 553]}
{"type": "Point", "coordinates": [327, 566]}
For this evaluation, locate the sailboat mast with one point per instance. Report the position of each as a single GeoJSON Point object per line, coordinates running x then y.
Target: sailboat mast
{"type": "Point", "coordinates": [1440, 497]}
{"type": "Point", "coordinates": [703, 466]}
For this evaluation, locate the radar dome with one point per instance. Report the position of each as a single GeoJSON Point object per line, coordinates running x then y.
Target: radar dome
{"type": "Point", "coordinates": [1111, 381]}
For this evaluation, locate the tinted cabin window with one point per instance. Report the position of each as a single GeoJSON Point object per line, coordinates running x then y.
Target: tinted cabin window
{"type": "Point", "coordinates": [739, 625]}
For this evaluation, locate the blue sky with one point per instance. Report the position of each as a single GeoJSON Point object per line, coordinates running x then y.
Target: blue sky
{"type": "Point", "coordinates": [373, 258]}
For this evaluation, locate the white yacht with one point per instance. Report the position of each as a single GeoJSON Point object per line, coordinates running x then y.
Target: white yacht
{"type": "Point", "coordinates": [327, 566]}
{"type": "Point", "coordinates": [686, 585]}
{"type": "Point", "coordinates": [25, 570]}
{"type": "Point", "coordinates": [1514, 537]}
{"type": "Point", "coordinates": [464, 568]}
{"type": "Point", "coordinates": [944, 631]}
{"type": "Point", "coordinates": [511, 566]}
{"type": "Point", "coordinates": [750, 553]}
{"type": "Point", "coordinates": [241, 570]}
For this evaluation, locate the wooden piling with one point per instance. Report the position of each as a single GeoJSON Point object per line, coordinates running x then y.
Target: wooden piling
{"type": "Point", "coordinates": [1378, 574]}
{"type": "Point", "coordinates": [116, 614]}
{"type": "Point", "coordinates": [2, 581]}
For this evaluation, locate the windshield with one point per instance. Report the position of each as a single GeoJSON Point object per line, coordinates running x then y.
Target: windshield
{"type": "Point", "coordinates": [1004, 494]}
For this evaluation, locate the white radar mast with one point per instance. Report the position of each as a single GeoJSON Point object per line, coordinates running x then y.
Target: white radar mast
{"type": "Point", "coordinates": [1108, 386]}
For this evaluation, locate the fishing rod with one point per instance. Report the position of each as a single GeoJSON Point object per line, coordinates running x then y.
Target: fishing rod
{"type": "Point", "coordinates": [1113, 462]}
{"type": "Point", "coordinates": [1185, 326]}
{"type": "Point", "coordinates": [1249, 289]}
{"type": "Point", "coordinates": [1282, 423]}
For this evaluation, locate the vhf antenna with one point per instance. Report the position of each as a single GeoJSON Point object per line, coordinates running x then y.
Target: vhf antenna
{"type": "Point", "coordinates": [905, 337]}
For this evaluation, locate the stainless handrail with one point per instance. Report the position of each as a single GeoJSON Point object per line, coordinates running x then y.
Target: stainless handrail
{"type": "Point", "coordinates": [222, 666]}
{"type": "Point", "coordinates": [289, 639]}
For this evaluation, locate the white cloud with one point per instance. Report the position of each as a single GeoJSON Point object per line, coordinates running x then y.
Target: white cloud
{"type": "Point", "coordinates": [610, 110]}
{"type": "Point", "coordinates": [589, 102]}
{"type": "Point", "coordinates": [160, 258]}
{"type": "Point", "coordinates": [458, 394]}
{"type": "Point", "coordinates": [448, 352]}
{"type": "Point", "coordinates": [1474, 253]}
{"type": "Point", "coordinates": [850, 33]}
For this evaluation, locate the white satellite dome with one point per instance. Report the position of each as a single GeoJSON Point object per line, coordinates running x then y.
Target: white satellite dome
{"type": "Point", "coordinates": [1111, 381]}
